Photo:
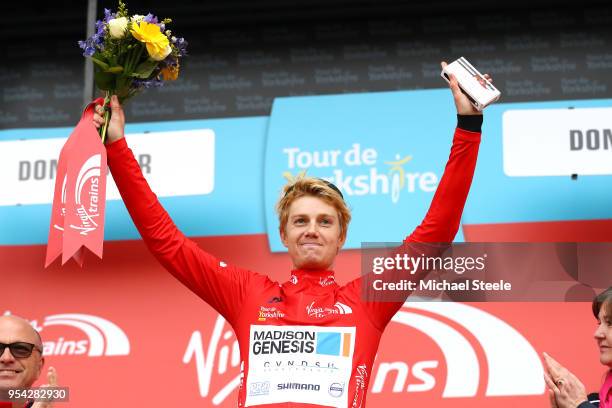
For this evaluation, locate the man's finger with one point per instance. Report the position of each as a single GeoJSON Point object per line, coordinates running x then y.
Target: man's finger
{"type": "Point", "coordinates": [443, 64]}
{"type": "Point", "coordinates": [114, 103]}
{"type": "Point", "coordinates": [117, 109]}
{"type": "Point", "coordinates": [454, 86]}
{"type": "Point", "coordinates": [52, 376]}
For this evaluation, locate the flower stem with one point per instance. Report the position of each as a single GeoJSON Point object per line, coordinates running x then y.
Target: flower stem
{"type": "Point", "coordinates": [107, 114]}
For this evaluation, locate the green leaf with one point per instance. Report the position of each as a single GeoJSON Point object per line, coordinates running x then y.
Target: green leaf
{"type": "Point", "coordinates": [122, 84]}
{"type": "Point", "coordinates": [104, 80]}
{"type": "Point", "coordinates": [115, 70]}
{"type": "Point", "coordinates": [99, 63]}
{"type": "Point", "coordinates": [145, 69]}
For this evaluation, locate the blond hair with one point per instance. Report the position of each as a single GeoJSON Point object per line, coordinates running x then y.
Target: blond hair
{"type": "Point", "coordinates": [303, 186]}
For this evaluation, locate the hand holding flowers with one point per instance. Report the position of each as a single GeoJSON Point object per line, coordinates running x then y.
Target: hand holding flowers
{"type": "Point", "coordinates": [132, 53]}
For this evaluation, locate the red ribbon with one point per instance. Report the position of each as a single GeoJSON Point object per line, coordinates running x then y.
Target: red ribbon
{"type": "Point", "coordinates": [77, 215]}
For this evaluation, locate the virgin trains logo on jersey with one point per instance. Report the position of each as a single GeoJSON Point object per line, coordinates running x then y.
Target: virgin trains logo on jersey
{"type": "Point", "coordinates": [328, 280]}
{"type": "Point", "coordinates": [337, 309]}
{"type": "Point", "coordinates": [104, 338]}
{"type": "Point", "coordinates": [518, 373]}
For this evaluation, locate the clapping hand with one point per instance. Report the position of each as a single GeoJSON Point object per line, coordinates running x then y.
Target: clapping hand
{"type": "Point", "coordinates": [51, 382]}
{"type": "Point", "coordinates": [564, 389]}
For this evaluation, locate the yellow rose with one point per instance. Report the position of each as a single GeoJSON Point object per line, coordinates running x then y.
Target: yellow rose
{"type": "Point", "coordinates": [156, 42]}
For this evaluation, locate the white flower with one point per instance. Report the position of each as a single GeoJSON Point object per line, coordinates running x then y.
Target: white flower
{"type": "Point", "coordinates": [136, 18]}
{"type": "Point", "coordinates": [117, 27]}
{"type": "Point", "coordinates": [163, 54]}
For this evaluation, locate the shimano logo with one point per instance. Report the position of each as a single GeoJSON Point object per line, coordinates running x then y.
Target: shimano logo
{"type": "Point", "coordinates": [298, 386]}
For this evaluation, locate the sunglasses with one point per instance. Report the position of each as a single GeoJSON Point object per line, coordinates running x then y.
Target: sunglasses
{"type": "Point", "coordinates": [19, 349]}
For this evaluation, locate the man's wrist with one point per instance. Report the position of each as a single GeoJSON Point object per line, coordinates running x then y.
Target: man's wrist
{"type": "Point", "coordinates": [471, 123]}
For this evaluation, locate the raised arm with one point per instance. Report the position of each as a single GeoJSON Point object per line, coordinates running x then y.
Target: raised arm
{"type": "Point", "coordinates": [442, 220]}
{"type": "Point", "coordinates": [221, 285]}
{"type": "Point", "coordinates": [441, 223]}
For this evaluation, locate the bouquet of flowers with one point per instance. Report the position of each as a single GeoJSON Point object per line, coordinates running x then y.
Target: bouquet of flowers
{"type": "Point", "coordinates": [130, 53]}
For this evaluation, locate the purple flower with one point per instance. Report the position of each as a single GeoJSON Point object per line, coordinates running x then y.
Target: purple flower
{"type": "Point", "coordinates": [87, 47]}
{"type": "Point", "coordinates": [108, 16]}
{"type": "Point", "coordinates": [181, 45]}
{"type": "Point", "coordinates": [147, 83]}
{"type": "Point", "coordinates": [150, 18]}
{"type": "Point", "coordinates": [97, 39]}
{"type": "Point", "coordinates": [100, 27]}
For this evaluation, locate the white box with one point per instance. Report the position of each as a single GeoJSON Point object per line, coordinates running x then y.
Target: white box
{"type": "Point", "coordinates": [474, 85]}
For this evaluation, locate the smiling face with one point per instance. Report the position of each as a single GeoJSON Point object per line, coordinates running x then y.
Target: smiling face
{"type": "Point", "coordinates": [312, 233]}
{"type": "Point", "coordinates": [603, 335]}
{"type": "Point", "coordinates": [18, 372]}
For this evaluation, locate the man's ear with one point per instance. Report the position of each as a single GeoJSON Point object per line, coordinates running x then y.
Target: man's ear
{"type": "Point", "coordinates": [283, 236]}
{"type": "Point", "coordinates": [341, 242]}
{"type": "Point", "coordinates": [40, 367]}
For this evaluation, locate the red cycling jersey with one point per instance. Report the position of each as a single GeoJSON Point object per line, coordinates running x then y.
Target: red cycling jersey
{"type": "Point", "coordinates": [306, 342]}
